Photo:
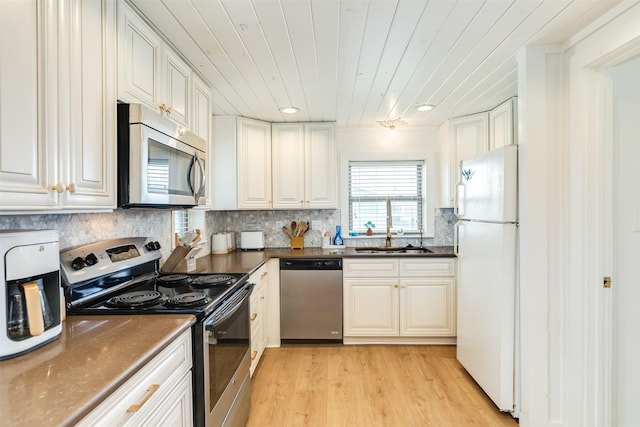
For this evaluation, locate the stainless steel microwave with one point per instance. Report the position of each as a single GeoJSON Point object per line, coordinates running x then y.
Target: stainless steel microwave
{"type": "Point", "coordinates": [160, 164]}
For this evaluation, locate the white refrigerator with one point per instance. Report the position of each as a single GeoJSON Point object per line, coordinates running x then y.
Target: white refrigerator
{"type": "Point", "coordinates": [487, 288]}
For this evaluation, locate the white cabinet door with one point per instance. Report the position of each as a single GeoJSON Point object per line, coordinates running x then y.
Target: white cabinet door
{"type": "Point", "coordinates": [176, 410]}
{"type": "Point", "coordinates": [159, 388]}
{"type": "Point", "coordinates": [370, 307]}
{"type": "Point", "coordinates": [26, 171]}
{"type": "Point", "coordinates": [427, 307]}
{"type": "Point", "coordinates": [139, 59]}
{"type": "Point", "coordinates": [257, 316]}
{"type": "Point", "coordinates": [288, 165]}
{"type": "Point", "coordinates": [57, 145]}
{"type": "Point", "coordinates": [399, 297]}
{"type": "Point", "coordinates": [502, 124]}
{"type": "Point", "coordinates": [320, 166]}
{"type": "Point", "coordinates": [468, 137]}
{"type": "Point", "coordinates": [176, 94]}
{"type": "Point", "coordinates": [201, 114]}
{"type": "Point", "coordinates": [254, 164]}
{"type": "Point", "coordinates": [304, 165]}
{"type": "Point", "coordinates": [87, 100]}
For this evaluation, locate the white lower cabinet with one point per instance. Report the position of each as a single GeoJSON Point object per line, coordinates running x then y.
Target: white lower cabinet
{"type": "Point", "coordinates": [396, 297]}
{"type": "Point", "coordinates": [258, 310]}
{"type": "Point", "coordinates": [159, 394]}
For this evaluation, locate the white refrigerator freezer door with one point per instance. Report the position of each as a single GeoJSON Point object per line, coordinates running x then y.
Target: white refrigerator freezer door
{"type": "Point", "coordinates": [486, 307]}
{"type": "Point", "coordinates": [488, 187]}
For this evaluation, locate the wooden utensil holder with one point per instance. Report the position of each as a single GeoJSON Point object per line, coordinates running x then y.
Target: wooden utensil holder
{"type": "Point", "coordinates": [297, 243]}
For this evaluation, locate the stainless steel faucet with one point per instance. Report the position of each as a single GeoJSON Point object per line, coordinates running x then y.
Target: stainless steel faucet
{"type": "Point", "coordinates": [389, 223]}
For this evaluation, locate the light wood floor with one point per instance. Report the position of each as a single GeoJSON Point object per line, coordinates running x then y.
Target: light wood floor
{"type": "Point", "coordinates": [347, 385]}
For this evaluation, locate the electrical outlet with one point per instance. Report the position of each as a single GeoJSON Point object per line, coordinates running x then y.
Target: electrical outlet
{"type": "Point", "coordinates": [316, 225]}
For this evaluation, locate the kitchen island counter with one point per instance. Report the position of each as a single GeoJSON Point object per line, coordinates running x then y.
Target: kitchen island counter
{"type": "Point", "coordinates": [61, 382]}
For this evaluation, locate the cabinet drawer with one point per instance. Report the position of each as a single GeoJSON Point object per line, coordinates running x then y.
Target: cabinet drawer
{"type": "Point", "coordinates": [426, 267]}
{"type": "Point", "coordinates": [152, 382]}
{"type": "Point", "coordinates": [370, 267]}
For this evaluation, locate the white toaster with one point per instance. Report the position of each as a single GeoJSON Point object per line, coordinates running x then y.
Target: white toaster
{"type": "Point", "coordinates": [252, 240]}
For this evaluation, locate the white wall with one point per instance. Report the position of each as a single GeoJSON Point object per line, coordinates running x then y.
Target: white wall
{"type": "Point", "coordinates": [565, 116]}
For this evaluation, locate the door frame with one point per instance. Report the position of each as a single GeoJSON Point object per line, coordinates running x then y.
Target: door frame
{"type": "Point", "coordinates": [598, 74]}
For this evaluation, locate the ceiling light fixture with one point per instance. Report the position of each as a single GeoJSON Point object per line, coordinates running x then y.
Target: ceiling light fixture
{"type": "Point", "coordinates": [289, 110]}
{"type": "Point", "coordinates": [391, 124]}
{"type": "Point", "coordinates": [424, 107]}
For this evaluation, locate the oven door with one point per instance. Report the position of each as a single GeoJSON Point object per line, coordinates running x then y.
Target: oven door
{"type": "Point", "coordinates": [227, 360]}
{"type": "Point", "coordinates": [163, 171]}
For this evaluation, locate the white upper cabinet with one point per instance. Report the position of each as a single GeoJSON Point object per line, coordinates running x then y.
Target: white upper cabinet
{"type": "Point", "coordinates": [503, 129]}
{"type": "Point", "coordinates": [468, 137]}
{"type": "Point", "coordinates": [320, 165]}
{"type": "Point", "coordinates": [254, 164]}
{"type": "Point", "coordinates": [87, 117]}
{"type": "Point", "coordinates": [304, 165]}
{"type": "Point", "coordinates": [150, 72]}
{"type": "Point", "coordinates": [26, 169]}
{"type": "Point", "coordinates": [57, 127]}
{"type": "Point", "coordinates": [177, 88]}
{"type": "Point", "coordinates": [201, 112]}
{"type": "Point", "coordinates": [139, 56]}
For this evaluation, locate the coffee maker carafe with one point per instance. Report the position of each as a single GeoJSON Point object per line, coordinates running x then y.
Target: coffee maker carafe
{"type": "Point", "coordinates": [30, 312]}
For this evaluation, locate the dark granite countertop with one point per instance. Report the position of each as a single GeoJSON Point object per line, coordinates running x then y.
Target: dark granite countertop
{"type": "Point", "coordinates": [247, 261]}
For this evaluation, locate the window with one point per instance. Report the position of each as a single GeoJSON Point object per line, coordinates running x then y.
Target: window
{"type": "Point", "coordinates": [370, 183]}
{"type": "Point", "coordinates": [187, 220]}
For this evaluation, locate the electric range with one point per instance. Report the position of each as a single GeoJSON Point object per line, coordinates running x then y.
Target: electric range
{"type": "Point", "coordinates": [121, 276]}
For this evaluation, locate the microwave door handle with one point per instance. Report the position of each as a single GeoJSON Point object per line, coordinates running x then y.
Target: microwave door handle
{"type": "Point", "coordinates": [200, 192]}
{"type": "Point", "coordinates": [190, 175]}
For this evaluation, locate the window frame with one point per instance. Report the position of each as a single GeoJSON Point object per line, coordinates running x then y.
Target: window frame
{"type": "Point", "coordinates": [414, 171]}
{"type": "Point", "coordinates": [430, 187]}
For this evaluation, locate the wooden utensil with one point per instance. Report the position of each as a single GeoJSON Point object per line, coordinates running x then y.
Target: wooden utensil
{"type": "Point", "coordinates": [301, 228]}
{"type": "Point", "coordinates": [286, 230]}
{"type": "Point", "coordinates": [293, 227]}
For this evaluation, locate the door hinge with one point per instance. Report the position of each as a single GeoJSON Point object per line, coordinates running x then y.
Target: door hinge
{"type": "Point", "coordinates": [606, 283]}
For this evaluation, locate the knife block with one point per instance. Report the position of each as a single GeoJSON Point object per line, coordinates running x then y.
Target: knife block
{"type": "Point", "coordinates": [297, 242]}
{"type": "Point", "coordinates": [178, 254]}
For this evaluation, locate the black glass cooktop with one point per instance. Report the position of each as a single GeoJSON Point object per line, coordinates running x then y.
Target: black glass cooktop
{"type": "Point", "coordinates": [176, 293]}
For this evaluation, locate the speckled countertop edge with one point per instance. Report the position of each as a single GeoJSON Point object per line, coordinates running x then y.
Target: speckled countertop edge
{"type": "Point", "coordinates": [61, 382]}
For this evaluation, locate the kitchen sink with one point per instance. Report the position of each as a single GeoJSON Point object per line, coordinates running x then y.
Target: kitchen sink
{"type": "Point", "coordinates": [409, 249]}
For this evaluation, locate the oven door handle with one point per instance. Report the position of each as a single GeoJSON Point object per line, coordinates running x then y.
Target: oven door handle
{"type": "Point", "coordinates": [228, 308]}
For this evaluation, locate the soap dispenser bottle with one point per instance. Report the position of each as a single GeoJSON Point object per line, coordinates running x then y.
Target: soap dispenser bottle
{"type": "Point", "coordinates": [338, 239]}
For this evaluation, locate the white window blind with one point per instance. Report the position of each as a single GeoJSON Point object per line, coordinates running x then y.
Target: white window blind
{"type": "Point", "coordinates": [369, 185]}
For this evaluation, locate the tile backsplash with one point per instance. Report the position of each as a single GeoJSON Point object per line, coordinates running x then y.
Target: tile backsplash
{"type": "Point", "coordinates": [271, 223]}
{"type": "Point", "coordinates": [80, 229]}
{"type": "Point", "coordinates": [83, 228]}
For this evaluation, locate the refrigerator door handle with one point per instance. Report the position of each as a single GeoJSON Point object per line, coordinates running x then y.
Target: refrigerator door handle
{"type": "Point", "coordinates": [456, 246]}
{"type": "Point", "coordinates": [458, 200]}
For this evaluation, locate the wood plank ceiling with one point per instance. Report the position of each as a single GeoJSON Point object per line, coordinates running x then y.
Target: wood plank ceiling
{"type": "Point", "coordinates": [357, 62]}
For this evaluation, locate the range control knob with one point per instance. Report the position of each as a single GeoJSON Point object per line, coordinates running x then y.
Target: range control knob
{"type": "Point", "coordinates": [91, 259]}
{"type": "Point", "coordinates": [152, 246]}
{"type": "Point", "coordinates": [78, 264]}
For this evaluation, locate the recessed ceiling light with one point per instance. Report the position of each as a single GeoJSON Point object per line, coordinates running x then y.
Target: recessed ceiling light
{"type": "Point", "coordinates": [424, 107]}
{"type": "Point", "coordinates": [289, 110]}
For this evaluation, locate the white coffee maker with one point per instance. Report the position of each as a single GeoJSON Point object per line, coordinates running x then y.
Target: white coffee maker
{"type": "Point", "coordinates": [30, 313]}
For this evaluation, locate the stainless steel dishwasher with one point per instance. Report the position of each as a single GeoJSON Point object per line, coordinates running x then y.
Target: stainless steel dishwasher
{"type": "Point", "coordinates": [310, 299]}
